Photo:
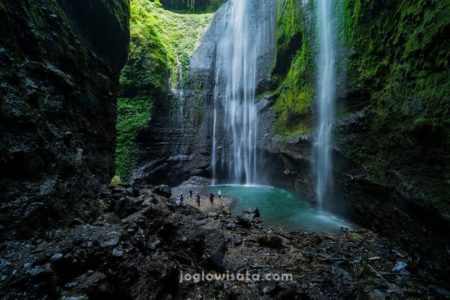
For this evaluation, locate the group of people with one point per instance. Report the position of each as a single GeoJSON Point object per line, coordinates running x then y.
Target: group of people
{"type": "Point", "coordinates": [197, 197]}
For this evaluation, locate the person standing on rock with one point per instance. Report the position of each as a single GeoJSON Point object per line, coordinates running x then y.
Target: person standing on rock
{"type": "Point", "coordinates": [198, 199]}
{"type": "Point", "coordinates": [190, 194]}
{"type": "Point", "coordinates": [181, 199]}
{"type": "Point", "coordinates": [220, 195]}
{"type": "Point", "coordinates": [211, 198]}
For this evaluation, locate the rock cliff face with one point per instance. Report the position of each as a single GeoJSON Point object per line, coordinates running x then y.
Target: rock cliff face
{"type": "Point", "coordinates": [59, 68]}
{"type": "Point", "coordinates": [174, 148]}
{"type": "Point", "coordinates": [158, 114]}
{"type": "Point", "coordinates": [172, 144]}
{"type": "Point", "coordinates": [374, 180]}
{"type": "Point", "coordinates": [390, 172]}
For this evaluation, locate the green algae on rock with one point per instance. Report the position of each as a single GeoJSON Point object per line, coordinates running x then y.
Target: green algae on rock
{"type": "Point", "coordinates": [161, 42]}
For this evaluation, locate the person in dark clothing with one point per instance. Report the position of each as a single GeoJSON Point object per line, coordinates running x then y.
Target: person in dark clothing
{"type": "Point", "coordinates": [211, 198]}
{"type": "Point", "coordinates": [181, 199]}
{"type": "Point", "coordinates": [198, 199]}
{"type": "Point", "coordinates": [190, 194]}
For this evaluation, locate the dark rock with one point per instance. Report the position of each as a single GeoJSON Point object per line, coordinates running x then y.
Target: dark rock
{"type": "Point", "coordinates": [254, 212]}
{"type": "Point", "coordinates": [237, 240]}
{"type": "Point", "coordinates": [248, 218]}
{"type": "Point", "coordinates": [57, 257]}
{"type": "Point", "coordinates": [231, 225]}
{"type": "Point", "coordinates": [215, 261]}
{"type": "Point", "coordinates": [112, 218]}
{"type": "Point", "coordinates": [226, 211]}
{"type": "Point", "coordinates": [344, 229]}
{"type": "Point", "coordinates": [142, 258]}
{"type": "Point", "coordinates": [213, 215]}
{"type": "Point", "coordinates": [155, 244]}
{"type": "Point", "coordinates": [123, 205]}
{"type": "Point", "coordinates": [4, 263]}
{"type": "Point", "coordinates": [244, 221]}
{"type": "Point", "coordinates": [133, 191]}
{"type": "Point", "coordinates": [76, 221]}
{"type": "Point", "coordinates": [271, 241]}
{"type": "Point", "coordinates": [377, 295]}
{"type": "Point", "coordinates": [117, 252]}
{"type": "Point", "coordinates": [341, 273]}
{"type": "Point", "coordinates": [440, 291]}
{"type": "Point", "coordinates": [269, 289]}
{"type": "Point", "coordinates": [60, 64]}
{"type": "Point", "coordinates": [111, 240]}
{"type": "Point", "coordinates": [39, 271]}
{"type": "Point", "coordinates": [162, 190]}
{"type": "Point", "coordinates": [153, 200]}
{"type": "Point", "coordinates": [75, 297]}
{"type": "Point", "coordinates": [400, 267]}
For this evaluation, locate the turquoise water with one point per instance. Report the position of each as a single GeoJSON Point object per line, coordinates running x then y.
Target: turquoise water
{"type": "Point", "coordinates": [280, 207]}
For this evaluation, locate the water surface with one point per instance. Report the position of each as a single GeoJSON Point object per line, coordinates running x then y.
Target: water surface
{"type": "Point", "coordinates": [280, 207]}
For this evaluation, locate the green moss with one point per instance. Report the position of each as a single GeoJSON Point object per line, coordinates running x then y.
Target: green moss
{"type": "Point", "coordinates": [397, 66]}
{"type": "Point", "coordinates": [179, 32]}
{"type": "Point", "coordinates": [160, 41]}
{"type": "Point", "coordinates": [400, 66]}
{"type": "Point", "coordinates": [288, 17]}
{"type": "Point", "coordinates": [133, 115]}
{"type": "Point", "coordinates": [294, 70]}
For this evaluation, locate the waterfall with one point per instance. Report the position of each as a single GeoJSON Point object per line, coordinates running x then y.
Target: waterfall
{"type": "Point", "coordinates": [246, 37]}
{"type": "Point", "coordinates": [180, 95]}
{"type": "Point", "coordinates": [326, 98]}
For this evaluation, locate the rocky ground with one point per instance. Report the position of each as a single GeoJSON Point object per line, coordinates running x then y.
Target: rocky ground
{"type": "Point", "coordinates": [143, 242]}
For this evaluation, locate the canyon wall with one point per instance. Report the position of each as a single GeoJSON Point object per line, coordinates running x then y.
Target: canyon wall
{"type": "Point", "coordinates": [59, 66]}
{"type": "Point", "coordinates": [391, 168]}
{"type": "Point", "coordinates": [176, 143]}
{"type": "Point", "coordinates": [162, 124]}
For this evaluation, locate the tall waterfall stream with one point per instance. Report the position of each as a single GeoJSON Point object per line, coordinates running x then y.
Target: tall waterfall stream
{"type": "Point", "coordinates": [326, 85]}
{"type": "Point", "coordinates": [248, 34]}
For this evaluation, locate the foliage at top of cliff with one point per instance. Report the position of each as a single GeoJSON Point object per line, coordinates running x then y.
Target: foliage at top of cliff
{"type": "Point", "coordinates": [162, 43]}
{"type": "Point", "coordinates": [191, 5]}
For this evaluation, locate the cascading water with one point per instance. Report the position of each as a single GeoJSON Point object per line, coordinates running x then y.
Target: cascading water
{"type": "Point", "coordinates": [246, 37]}
{"type": "Point", "coordinates": [180, 95]}
{"type": "Point", "coordinates": [326, 85]}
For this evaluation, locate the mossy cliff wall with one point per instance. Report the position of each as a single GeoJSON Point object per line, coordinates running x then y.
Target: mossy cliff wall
{"type": "Point", "coordinates": [162, 42]}
{"type": "Point", "coordinates": [395, 130]}
{"type": "Point", "coordinates": [392, 136]}
{"type": "Point", "coordinates": [293, 74]}
{"type": "Point", "coordinates": [59, 69]}
{"type": "Point", "coordinates": [399, 68]}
